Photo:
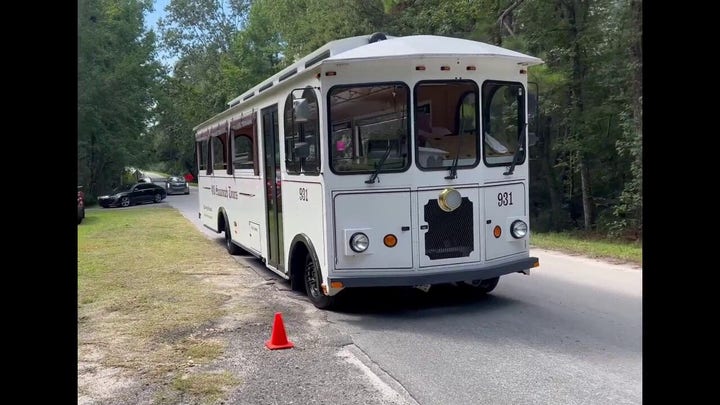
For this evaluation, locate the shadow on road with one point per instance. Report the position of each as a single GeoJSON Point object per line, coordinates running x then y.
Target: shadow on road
{"type": "Point", "coordinates": [401, 300]}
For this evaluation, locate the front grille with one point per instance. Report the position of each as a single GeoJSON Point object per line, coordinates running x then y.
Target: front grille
{"type": "Point", "coordinates": [450, 234]}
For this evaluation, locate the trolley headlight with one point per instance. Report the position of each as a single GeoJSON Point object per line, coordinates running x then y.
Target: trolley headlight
{"type": "Point", "coordinates": [359, 242]}
{"type": "Point", "coordinates": [518, 229]}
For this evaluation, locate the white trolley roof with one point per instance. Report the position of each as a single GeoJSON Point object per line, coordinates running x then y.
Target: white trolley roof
{"type": "Point", "coordinates": [360, 48]}
{"type": "Point", "coordinates": [422, 46]}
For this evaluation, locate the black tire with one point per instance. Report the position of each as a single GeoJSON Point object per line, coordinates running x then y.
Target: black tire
{"type": "Point", "coordinates": [158, 197]}
{"type": "Point", "coordinates": [232, 248]}
{"type": "Point", "coordinates": [482, 286]}
{"type": "Point", "coordinates": [187, 192]}
{"type": "Point", "coordinates": [312, 277]}
{"type": "Point", "coordinates": [80, 220]}
{"type": "Point", "coordinates": [125, 202]}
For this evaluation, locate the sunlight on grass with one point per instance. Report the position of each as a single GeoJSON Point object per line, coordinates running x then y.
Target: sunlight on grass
{"type": "Point", "coordinates": [211, 385]}
{"type": "Point", "coordinates": [590, 246]}
{"type": "Point", "coordinates": [137, 292]}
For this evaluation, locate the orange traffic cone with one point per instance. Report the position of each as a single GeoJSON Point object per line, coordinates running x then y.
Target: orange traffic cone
{"type": "Point", "coordinates": [278, 340]}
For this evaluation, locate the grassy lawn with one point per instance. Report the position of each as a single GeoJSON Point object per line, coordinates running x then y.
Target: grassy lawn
{"type": "Point", "coordinates": [589, 245]}
{"type": "Point", "coordinates": [141, 306]}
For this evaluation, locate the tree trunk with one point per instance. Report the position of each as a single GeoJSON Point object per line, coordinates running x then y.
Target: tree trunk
{"type": "Point", "coordinates": [551, 179]}
{"type": "Point", "coordinates": [636, 57]}
{"type": "Point", "coordinates": [587, 199]}
{"type": "Point", "coordinates": [577, 17]}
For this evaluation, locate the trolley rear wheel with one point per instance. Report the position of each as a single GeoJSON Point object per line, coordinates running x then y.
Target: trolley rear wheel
{"type": "Point", "coordinates": [232, 248]}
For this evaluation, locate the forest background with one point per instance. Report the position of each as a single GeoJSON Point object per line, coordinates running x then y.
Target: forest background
{"type": "Point", "coordinates": [142, 89]}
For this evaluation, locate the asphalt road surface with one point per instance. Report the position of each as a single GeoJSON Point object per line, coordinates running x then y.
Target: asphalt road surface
{"type": "Point", "coordinates": [570, 333]}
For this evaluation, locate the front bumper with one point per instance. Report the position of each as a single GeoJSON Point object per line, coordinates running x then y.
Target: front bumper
{"type": "Point", "coordinates": [425, 278]}
{"type": "Point", "coordinates": [108, 202]}
{"type": "Point", "coordinates": [178, 190]}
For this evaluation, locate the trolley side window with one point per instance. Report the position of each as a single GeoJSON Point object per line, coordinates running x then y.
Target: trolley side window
{"type": "Point", "coordinates": [243, 154]}
{"type": "Point", "coordinates": [243, 133]}
{"type": "Point", "coordinates": [219, 151]}
{"type": "Point", "coordinates": [201, 148]}
{"type": "Point", "coordinates": [301, 125]}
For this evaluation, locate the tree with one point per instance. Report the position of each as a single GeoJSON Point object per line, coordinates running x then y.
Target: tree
{"type": "Point", "coordinates": [587, 165]}
{"type": "Point", "coordinates": [629, 211]}
{"type": "Point", "coordinates": [115, 79]}
{"type": "Point", "coordinates": [200, 35]}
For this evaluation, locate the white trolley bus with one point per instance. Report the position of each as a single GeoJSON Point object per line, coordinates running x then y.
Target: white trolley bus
{"type": "Point", "coordinates": [376, 161]}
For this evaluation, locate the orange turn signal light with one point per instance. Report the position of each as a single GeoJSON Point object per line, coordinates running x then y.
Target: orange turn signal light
{"type": "Point", "coordinates": [497, 231]}
{"type": "Point", "coordinates": [336, 284]}
{"type": "Point", "coordinates": [390, 240]}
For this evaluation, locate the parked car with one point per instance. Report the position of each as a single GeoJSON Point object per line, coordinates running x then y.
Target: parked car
{"type": "Point", "coordinates": [81, 205]}
{"type": "Point", "coordinates": [131, 194]}
{"type": "Point", "coordinates": [160, 181]}
{"type": "Point", "coordinates": [177, 185]}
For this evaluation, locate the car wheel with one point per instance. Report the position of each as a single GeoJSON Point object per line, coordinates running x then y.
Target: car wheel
{"type": "Point", "coordinates": [187, 192]}
{"type": "Point", "coordinates": [80, 220]}
{"type": "Point", "coordinates": [312, 285]}
{"type": "Point", "coordinates": [125, 201]}
{"type": "Point", "coordinates": [232, 248]}
{"type": "Point", "coordinates": [482, 286]}
{"type": "Point", "coordinates": [158, 197]}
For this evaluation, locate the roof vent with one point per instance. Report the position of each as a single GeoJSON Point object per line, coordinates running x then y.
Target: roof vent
{"type": "Point", "coordinates": [378, 36]}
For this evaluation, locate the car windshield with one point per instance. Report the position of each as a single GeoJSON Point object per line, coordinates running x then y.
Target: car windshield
{"type": "Point", "coordinates": [177, 179]}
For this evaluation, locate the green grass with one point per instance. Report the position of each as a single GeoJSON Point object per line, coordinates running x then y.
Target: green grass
{"type": "Point", "coordinates": [589, 245]}
{"type": "Point", "coordinates": [209, 386]}
{"type": "Point", "coordinates": [138, 293]}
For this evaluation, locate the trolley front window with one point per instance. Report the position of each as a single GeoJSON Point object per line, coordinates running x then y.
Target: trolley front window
{"type": "Point", "coordinates": [503, 122]}
{"type": "Point", "coordinates": [446, 122]}
{"type": "Point", "coordinates": [369, 128]}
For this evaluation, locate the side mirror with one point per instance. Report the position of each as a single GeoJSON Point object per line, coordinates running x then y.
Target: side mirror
{"type": "Point", "coordinates": [533, 109]}
{"type": "Point", "coordinates": [301, 150]}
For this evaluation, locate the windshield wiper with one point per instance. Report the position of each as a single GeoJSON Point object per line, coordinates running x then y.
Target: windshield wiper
{"type": "Point", "coordinates": [380, 164]}
{"type": "Point", "coordinates": [453, 168]}
{"type": "Point", "coordinates": [518, 152]}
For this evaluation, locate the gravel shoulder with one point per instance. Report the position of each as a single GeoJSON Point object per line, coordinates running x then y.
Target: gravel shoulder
{"type": "Point", "coordinates": [324, 367]}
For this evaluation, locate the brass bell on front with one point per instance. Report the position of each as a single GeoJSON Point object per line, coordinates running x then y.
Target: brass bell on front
{"type": "Point", "coordinates": [449, 200]}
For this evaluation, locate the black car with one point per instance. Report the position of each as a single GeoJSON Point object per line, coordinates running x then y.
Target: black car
{"type": "Point", "coordinates": [130, 194]}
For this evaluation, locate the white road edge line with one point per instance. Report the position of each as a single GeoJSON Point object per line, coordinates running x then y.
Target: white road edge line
{"type": "Point", "coordinates": [391, 390]}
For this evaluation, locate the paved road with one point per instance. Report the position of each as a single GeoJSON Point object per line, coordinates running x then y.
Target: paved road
{"type": "Point", "coordinates": [570, 333]}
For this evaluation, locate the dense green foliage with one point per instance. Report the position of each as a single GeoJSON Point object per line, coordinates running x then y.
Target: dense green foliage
{"type": "Point", "coordinates": [587, 165]}
{"type": "Point", "coordinates": [116, 76]}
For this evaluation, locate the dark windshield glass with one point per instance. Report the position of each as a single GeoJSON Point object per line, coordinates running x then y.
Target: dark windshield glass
{"type": "Point", "coordinates": [503, 121]}
{"type": "Point", "coordinates": [124, 187]}
{"type": "Point", "coordinates": [446, 124]}
{"type": "Point", "coordinates": [369, 128]}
